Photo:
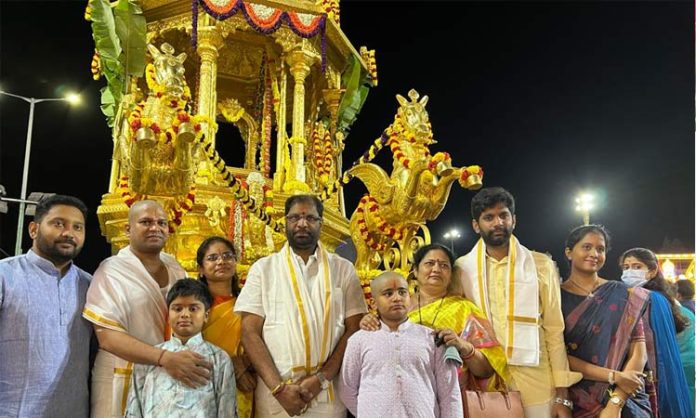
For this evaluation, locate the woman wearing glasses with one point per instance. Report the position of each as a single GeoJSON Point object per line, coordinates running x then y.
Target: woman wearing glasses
{"type": "Point", "coordinates": [217, 268]}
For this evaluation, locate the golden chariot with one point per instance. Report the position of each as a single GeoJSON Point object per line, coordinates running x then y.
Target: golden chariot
{"type": "Point", "coordinates": [286, 76]}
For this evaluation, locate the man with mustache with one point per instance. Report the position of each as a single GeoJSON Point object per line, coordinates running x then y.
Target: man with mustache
{"type": "Point", "coordinates": [126, 305]}
{"type": "Point", "coordinates": [298, 307]}
{"type": "Point", "coordinates": [44, 342]}
{"type": "Point", "coordinates": [519, 291]}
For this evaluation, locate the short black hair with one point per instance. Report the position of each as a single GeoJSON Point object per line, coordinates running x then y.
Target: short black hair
{"type": "Point", "coordinates": [304, 198]}
{"type": "Point", "coordinates": [190, 287]}
{"type": "Point", "coordinates": [45, 205]}
{"type": "Point", "coordinates": [489, 197]}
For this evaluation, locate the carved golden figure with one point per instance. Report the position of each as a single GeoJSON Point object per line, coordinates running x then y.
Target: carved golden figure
{"type": "Point", "coordinates": [385, 226]}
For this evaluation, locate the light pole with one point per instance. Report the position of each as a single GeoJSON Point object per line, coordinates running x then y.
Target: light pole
{"type": "Point", "coordinates": [451, 235]}
{"type": "Point", "coordinates": [70, 98]}
{"type": "Point", "coordinates": [585, 203]}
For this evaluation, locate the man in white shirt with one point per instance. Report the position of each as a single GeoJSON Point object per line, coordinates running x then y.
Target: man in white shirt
{"type": "Point", "coordinates": [299, 306]}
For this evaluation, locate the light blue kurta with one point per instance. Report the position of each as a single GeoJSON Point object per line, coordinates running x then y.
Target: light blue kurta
{"type": "Point", "coordinates": [44, 341]}
{"type": "Point", "coordinates": [155, 394]}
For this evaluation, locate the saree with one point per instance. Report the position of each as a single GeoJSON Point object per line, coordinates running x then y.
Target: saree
{"type": "Point", "coordinates": [599, 330]}
{"type": "Point", "coordinates": [466, 319]}
{"type": "Point", "coordinates": [673, 396]}
{"type": "Point", "coordinates": [224, 329]}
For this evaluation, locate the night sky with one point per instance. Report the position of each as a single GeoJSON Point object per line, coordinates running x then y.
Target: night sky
{"type": "Point", "coordinates": [550, 98]}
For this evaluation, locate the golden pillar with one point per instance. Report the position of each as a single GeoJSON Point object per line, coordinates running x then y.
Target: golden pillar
{"type": "Point", "coordinates": [282, 135]}
{"type": "Point", "coordinates": [299, 62]}
{"type": "Point", "coordinates": [210, 40]}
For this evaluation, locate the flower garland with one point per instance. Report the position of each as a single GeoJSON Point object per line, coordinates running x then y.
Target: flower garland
{"type": "Point", "coordinates": [382, 224]}
{"type": "Point", "coordinates": [333, 10]}
{"type": "Point", "coordinates": [395, 142]}
{"type": "Point", "coordinates": [165, 136]}
{"type": "Point", "coordinates": [367, 156]}
{"type": "Point", "coordinates": [471, 177]}
{"type": "Point", "coordinates": [263, 19]}
{"type": "Point", "coordinates": [238, 190]}
{"type": "Point", "coordinates": [95, 68]}
{"type": "Point", "coordinates": [362, 226]}
{"type": "Point", "coordinates": [369, 57]}
{"type": "Point", "coordinates": [440, 157]}
{"type": "Point", "coordinates": [328, 155]}
{"type": "Point", "coordinates": [267, 123]}
{"type": "Point", "coordinates": [181, 205]}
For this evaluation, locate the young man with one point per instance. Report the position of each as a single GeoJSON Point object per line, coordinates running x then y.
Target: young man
{"type": "Point", "coordinates": [519, 291]}
{"type": "Point", "coordinates": [398, 371]}
{"type": "Point", "coordinates": [126, 303]}
{"type": "Point", "coordinates": [155, 394]}
{"type": "Point", "coordinates": [44, 342]}
{"type": "Point", "coordinates": [298, 307]}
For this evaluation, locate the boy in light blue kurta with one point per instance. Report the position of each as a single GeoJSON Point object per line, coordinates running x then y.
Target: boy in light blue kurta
{"type": "Point", "coordinates": [155, 394]}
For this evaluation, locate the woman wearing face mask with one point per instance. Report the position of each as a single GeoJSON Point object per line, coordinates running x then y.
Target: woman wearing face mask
{"type": "Point", "coordinates": [604, 332]}
{"type": "Point", "coordinates": [672, 353]}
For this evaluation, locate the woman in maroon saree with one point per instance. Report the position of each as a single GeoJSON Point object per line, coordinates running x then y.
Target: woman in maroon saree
{"type": "Point", "coordinates": [604, 333]}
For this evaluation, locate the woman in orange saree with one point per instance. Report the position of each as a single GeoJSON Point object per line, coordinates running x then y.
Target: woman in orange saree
{"type": "Point", "coordinates": [217, 268]}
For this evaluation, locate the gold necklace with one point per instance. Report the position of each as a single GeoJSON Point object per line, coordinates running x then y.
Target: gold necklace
{"type": "Point", "coordinates": [590, 293]}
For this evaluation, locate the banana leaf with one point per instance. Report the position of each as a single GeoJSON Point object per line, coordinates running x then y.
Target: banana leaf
{"type": "Point", "coordinates": [131, 30]}
{"type": "Point", "coordinates": [108, 105]}
{"type": "Point", "coordinates": [104, 33]}
{"type": "Point", "coordinates": [356, 83]}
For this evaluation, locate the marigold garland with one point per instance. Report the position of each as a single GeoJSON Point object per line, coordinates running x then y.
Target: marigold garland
{"type": "Point", "coordinates": [363, 229]}
{"type": "Point", "coordinates": [180, 207]}
{"type": "Point", "coordinates": [96, 66]}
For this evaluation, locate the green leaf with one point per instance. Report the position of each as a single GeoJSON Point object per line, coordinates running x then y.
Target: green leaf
{"type": "Point", "coordinates": [131, 30]}
{"type": "Point", "coordinates": [356, 82]}
{"type": "Point", "coordinates": [108, 105]}
{"type": "Point", "coordinates": [104, 30]}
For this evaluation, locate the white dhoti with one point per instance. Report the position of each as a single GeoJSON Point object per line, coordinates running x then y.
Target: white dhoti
{"type": "Point", "coordinates": [124, 297]}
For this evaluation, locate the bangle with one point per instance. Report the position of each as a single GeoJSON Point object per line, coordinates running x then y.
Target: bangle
{"type": "Point", "coordinates": [610, 378]}
{"type": "Point", "coordinates": [470, 355]}
{"type": "Point", "coordinates": [159, 359]}
{"type": "Point", "coordinates": [565, 402]}
{"type": "Point", "coordinates": [279, 388]}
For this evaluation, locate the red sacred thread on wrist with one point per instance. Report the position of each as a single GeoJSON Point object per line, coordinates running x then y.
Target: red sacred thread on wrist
{"type": "Point", "coordinates": [159, 359]}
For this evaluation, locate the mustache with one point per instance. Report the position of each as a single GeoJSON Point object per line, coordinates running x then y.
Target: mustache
{"type": "Point", "coordinates": [66, 241]}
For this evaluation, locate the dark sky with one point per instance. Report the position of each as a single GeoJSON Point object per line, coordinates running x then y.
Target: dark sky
{"type": "Point", "coordinates": [550, 98]}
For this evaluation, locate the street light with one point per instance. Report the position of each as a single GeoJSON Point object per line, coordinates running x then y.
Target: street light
{"type": "Point", "coordinates": [585, 203]}
{"type": "Point", "coordinates": [71, 98]}
{"type": "Point", "coordinates": [451, 235]}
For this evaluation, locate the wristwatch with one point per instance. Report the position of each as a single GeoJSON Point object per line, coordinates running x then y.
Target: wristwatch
{"type": "Point", "coordinates": [565, 402]}
{"type": "Point", "coordinates": [322, 380]}
{"type": "Point", "coordinates": [617, 401]}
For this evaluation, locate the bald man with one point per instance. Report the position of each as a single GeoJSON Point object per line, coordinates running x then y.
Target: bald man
{"type": "Point", "coordinates": [398, 370]}
{"type": "Point", "coordinates": [126, 305]}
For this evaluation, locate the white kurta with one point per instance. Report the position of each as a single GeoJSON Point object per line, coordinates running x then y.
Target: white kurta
{"type": "Point", "coordinates": [300, 328]}
{"type": "Point", "coordinates": [124, 297]}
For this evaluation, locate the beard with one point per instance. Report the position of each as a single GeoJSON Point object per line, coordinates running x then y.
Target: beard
{"type": "Point", "coordinates": [305, 239]}
{"type": "Point", "coordinates": [497, 237]}
{"type": "Point", "coordinates": [54, 252]}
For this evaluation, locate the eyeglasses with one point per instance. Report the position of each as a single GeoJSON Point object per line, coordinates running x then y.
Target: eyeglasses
{"type": "Point", "coordinates": [226, 257]}
{"type": "Point", "coordinates": [148, 223]}
{"type": "Point", "coordinates": [430, 264]}
{"type": "Point", "coordinates": [311, 219]}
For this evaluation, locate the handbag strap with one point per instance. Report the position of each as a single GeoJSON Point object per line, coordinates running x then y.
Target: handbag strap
{"type": "Point", "coordinates": [499, 384]}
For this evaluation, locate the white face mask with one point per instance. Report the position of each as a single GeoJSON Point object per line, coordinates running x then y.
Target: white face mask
{"type": "Point", "coordinates": [634, 278]}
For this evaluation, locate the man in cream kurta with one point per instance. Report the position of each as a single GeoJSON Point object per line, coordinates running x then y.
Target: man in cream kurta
{"type": "Point", "coordinates": [299, 306]}
{"type": "Point", "coordinates": [519, 291]}
{"type": "Point", "coordinates": [126, 304]}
